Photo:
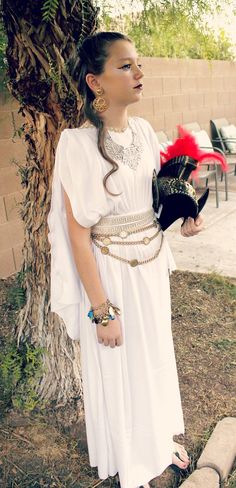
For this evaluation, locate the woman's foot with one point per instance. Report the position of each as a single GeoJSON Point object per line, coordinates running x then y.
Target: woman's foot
{"type": "Point", "coordinates": [180, 456]}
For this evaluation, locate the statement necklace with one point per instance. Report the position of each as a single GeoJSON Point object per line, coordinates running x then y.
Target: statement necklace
{"type": "Point", "coordinates": [114, 129]}
{"type": "Point", "coordinates": [131, 155]}
{"type": "Point", "coordinates": [87, 125]}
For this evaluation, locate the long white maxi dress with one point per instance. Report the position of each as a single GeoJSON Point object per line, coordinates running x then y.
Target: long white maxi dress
{"type": "Point", "coordinates": [131, 392]}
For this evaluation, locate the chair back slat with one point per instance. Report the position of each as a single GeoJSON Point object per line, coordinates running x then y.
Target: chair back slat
{"type": "Point", "coordinates": [216, 137]}
{"type": "Point", "coordinates": [192, 127]}
{"type": "Point", "coordinates": [162, 136]}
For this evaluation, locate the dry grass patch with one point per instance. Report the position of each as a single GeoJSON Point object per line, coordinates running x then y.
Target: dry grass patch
{"type": "Point", "coordinates": [47, 448]}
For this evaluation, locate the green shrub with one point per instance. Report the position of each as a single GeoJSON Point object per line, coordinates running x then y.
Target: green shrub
{"type": "Point", "coordinates": [20, 371]}
{"type": "Point", "coordinates": [16, 296]}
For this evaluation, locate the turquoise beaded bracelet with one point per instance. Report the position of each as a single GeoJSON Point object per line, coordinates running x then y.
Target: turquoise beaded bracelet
{"type": "Point", "coordinates": [104, 318]}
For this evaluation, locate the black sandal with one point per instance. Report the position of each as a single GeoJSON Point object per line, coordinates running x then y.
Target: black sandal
{"type": "Point", "coordinates": [117, 481]}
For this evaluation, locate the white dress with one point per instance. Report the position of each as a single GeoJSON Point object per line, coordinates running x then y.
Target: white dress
{"type": "Point", "coordinates": [131, 393]}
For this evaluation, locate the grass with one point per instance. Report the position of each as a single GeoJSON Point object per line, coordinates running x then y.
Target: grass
{"type": "Point", "coordinates": [47, 448]}
{"type": "Point", "coordinates": [231, 483]}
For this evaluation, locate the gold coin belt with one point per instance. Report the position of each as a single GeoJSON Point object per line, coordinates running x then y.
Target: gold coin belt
{"type": "Point", "coordinates": [106, 241]}
{"type": "Point", "coordinates": [125, 233]}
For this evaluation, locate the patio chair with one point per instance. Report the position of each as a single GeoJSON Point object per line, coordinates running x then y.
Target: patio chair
{"type": "Point", "coordinates": [219, 130]}
{"type": "Point", "coordinates": [207, 170]}
{"type": "Point", "coordinates": [163, 139]}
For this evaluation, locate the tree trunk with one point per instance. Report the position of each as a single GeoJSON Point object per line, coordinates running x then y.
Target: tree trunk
{"type": "Point", "coordinates": [37, 54]}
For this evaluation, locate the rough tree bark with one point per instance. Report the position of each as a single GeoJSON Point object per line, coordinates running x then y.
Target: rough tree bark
{"type": "Point", "coordinates": [38, 53]}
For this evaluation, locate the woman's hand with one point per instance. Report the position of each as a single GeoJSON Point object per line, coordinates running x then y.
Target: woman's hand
{"type": "Point", "coordinates": [111, 334]}
{"type": "Point", "coordinates": [191, 227]}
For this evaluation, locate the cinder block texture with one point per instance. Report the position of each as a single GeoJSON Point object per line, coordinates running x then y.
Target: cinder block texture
{"type": "Point", "coordinates": [9, 181]}
{"type": "Point", "coordinates": [6, 125]}
{"type": "Point", "coordinates": [12, 150]}
{"type": "Point", "coordinates": [11, 232]}
{"type": "Point", "coordinates": [202, 478]}
{"type": "Point", "coordinates": [13, 205]}
{"type": "Point", "coordinates": [7, 264]}
{"type": "Point", "coordinates": [7, 102]}
{"type": "Point", "coordinates": [178, 91]}
{"type": "Point", "coordinates": [152, 86]}
{"type": "Point", "coordinates": [3, 215]}
{"type": "Point", "coordinates": [220, 450]}
{"type": "Point", "coordinates": [18, 256]}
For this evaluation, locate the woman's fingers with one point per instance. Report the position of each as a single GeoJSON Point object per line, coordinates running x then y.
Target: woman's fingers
{"type": "Point", "coordinates": [199, 220]}
{"type": "Point", "coordinates": [110, 342]}
{"type": "Point", "coordinates": [191, 227]}
{"type": "Point", "coordinates": [119, 341]}
{"type": "Point", "coordinates": [110, 335]}
{"type": "Point", "coordinates": [115, 342]}
{"type": "Point", "coordinates": [187, 227]}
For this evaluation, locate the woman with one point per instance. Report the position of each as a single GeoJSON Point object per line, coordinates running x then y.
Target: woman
{"type": "Point", "coordinates": [109, 256]}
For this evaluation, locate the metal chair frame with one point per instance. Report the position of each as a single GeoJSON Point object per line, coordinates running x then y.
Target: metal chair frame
{"type": "Point", "coordinates": [219, 141]}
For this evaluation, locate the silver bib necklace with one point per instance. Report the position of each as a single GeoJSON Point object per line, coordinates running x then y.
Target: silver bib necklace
{"type": "Point", "coordinates": [130, 155]}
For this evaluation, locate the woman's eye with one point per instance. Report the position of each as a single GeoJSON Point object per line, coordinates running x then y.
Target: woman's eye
{"type": "Point", "coordinates": [126, 66]}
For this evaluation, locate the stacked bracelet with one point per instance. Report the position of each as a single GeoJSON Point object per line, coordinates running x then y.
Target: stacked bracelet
{"type": "Point", "coordinates": [108, 312]}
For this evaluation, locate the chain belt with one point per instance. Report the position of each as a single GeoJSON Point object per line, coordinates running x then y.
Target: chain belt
{"type": "Point", "coordinates": [132, 262]}
{"type": "Point", "coordinates": [104, 239]}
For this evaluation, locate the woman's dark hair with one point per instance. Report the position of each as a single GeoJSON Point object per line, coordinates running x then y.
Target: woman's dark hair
{"type": "Point", "coordinates": [92, 56]}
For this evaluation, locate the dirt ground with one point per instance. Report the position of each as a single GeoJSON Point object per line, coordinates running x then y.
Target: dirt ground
{"type": "Point", "coordinates": [47, 448]}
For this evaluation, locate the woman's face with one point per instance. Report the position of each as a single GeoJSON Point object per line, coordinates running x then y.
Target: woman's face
{"type": "Point", "coordinates": [122, 73]}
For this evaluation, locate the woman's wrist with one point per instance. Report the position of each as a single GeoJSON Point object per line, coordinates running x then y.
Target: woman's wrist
{"type": "Point", "coordinates": [102, 307]}
{"type": "Point", "coordinates": [98, 301]}
{"type": "Point", "coordinates": [103, 313]}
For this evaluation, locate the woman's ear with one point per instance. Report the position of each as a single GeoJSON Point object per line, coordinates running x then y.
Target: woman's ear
{"type": "Point", "coordinates": [92, 82]}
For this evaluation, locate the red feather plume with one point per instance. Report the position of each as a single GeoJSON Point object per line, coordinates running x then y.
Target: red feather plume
{"type": "Point", "coordinates": [186, 145]}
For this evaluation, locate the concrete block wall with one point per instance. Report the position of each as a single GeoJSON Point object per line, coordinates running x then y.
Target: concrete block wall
{"type": "Point", "coordinates": [176, 91]}
{"type": "Point", "coordinates": [11, 192]}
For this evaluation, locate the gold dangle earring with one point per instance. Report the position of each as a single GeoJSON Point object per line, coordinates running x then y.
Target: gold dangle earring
{"type": "Point", "coordinates": [99, 103]}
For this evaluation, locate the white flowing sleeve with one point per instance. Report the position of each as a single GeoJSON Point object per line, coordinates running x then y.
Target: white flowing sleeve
{"type": "Point", "coordinates": [155, 147]}
{"type": "Point", "coordinates": [153, 141]}
{"type": "Point", "coordinates": [76, 171]}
